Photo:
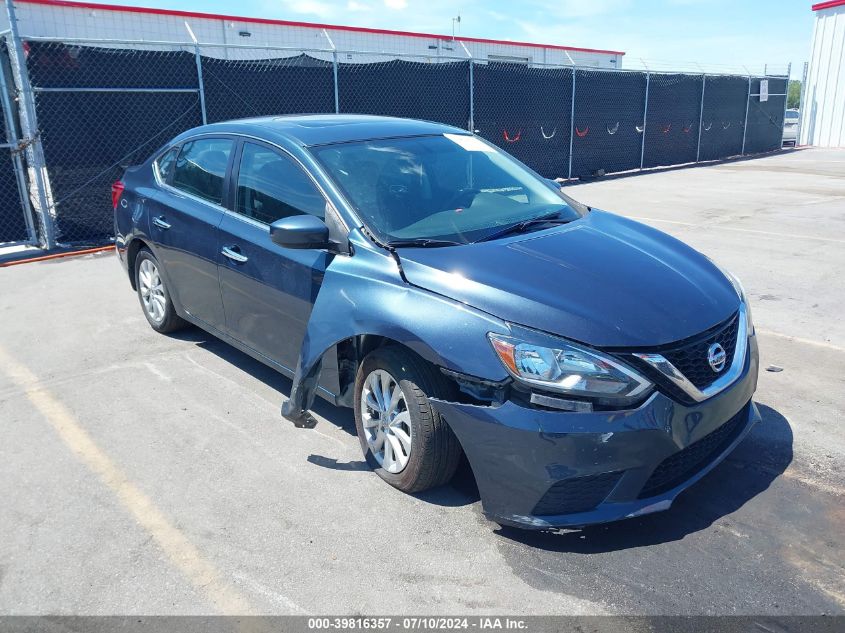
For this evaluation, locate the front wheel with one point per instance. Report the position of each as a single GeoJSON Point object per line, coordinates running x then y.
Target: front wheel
{"type": "Point", "coordinates": [402, 436]}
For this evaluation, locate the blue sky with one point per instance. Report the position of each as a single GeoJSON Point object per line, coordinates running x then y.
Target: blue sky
{"type": "Point", "coordinates": [664, 33]}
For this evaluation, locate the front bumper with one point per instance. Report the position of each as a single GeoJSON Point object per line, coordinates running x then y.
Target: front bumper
{"type": "Point", "coordinates": [544, 469]}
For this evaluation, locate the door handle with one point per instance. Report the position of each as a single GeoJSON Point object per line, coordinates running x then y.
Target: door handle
{"type": "Point", "coordinates": [160, 223]}
{"type": "Point", "coordinates": [235, 256]}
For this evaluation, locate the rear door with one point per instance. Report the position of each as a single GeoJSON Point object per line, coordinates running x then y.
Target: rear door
{"type": "Point", "coordinates": [184, 218]}
{"type": "Point", "coordinates": [268, 291]}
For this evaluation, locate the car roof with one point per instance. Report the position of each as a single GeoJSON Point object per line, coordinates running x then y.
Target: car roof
{"type": "Point", "coordinates": [321, 129]}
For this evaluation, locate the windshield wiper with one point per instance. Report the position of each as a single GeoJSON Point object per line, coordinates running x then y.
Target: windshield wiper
{"type": "Point", "coordinates": [519, 227]}
{"type": "Point", "coordinates": [422, 242]}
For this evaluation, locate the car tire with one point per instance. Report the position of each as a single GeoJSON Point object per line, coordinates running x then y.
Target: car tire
{"type": "Point", "coordinates": [433, 452]}
{"type": "Point", "coordinates": [154, 296]}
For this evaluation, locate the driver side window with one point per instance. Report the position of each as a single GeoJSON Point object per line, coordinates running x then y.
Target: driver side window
{"type": "Point", "coordinates": [272, 186]}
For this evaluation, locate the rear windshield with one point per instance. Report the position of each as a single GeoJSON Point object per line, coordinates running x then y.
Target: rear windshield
{"type": "Point", "coordinates": [443, 187]}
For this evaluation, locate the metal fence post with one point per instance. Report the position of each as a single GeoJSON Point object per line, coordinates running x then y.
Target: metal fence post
{"type": "Point", "coordinates": [471, 87]}
{"type": "Point", "coordinates": [645, 118]}
{"type": "Point", "coordinates": [198, 59]}
{"type": "Point", "coordinates": [700, 118]}
{"type": "Point", "coordinates": [201, 84]}
{"type": "Point", "coordinates": [334, 72]}
{"type": "Point", "coordinates": [36, 167]}
{"type": "Point", "coordinates": [471, 96]}
{"type": "Point", "coordinates": [336, 87]}
{"type": "Point", "coordinates": [13, 140]}
{"type": "Point", "coordinates": [571, 124]}
{"type": "Point", "coordinates": [745, 123]}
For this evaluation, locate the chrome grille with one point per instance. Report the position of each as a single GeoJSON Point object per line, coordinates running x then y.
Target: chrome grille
{"type": "Point", "coordinates": [682, 370]}
{"type": "Point", "coordinates": [691, 359]}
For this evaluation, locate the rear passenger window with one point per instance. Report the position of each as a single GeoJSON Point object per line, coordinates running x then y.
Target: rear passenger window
{"type": "Point", "coordinates": [272, 186]}
{"type": "Point", "coordinates": [164, 163]}
{"type": "Point", "coordinates": [201, 168]}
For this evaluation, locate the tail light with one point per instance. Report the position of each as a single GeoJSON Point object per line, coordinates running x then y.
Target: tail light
{"type": "Point", "coordinates": [116, 191]}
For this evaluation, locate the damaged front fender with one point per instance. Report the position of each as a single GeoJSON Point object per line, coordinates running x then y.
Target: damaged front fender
{"type": "Point", "coordinates": [366, 294]}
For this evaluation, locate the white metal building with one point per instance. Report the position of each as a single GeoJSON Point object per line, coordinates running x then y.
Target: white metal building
{"type": "Point", "coordinates": [823, 104]}
{"type": "Point", "coordinates": [63, 19]}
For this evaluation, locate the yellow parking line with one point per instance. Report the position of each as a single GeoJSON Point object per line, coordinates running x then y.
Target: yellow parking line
{"type": "Point", "coordinates": [181, 552]}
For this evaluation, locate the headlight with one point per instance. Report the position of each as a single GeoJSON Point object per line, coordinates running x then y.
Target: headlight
{"type": "Point", "coordinates": [571, 369]}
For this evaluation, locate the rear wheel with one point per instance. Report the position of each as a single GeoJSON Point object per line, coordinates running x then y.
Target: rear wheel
{"type": "Point", "coordinates": [403, 438]}
{"type": "Point", "coordinates": [154, 296]}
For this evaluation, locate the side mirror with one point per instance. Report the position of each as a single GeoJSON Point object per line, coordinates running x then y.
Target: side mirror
{"type": "Point", "coordinates": [300, 231]}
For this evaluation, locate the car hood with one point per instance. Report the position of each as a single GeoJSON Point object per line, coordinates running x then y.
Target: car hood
{"type": "Point", "coordinates": [603, 280]}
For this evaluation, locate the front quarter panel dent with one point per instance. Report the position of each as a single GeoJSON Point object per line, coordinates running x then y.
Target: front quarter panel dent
{"type": "Point", "coordinates": [365, 294]}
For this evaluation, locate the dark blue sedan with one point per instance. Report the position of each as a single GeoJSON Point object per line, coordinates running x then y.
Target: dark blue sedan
{"type": "Point", "coordinates": [589, 367]}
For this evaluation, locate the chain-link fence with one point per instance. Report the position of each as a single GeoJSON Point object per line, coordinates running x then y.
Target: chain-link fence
{"type": "Point", "coordinates": [764, 125]}
{"type": "Point", "coordinates": [17, 225]}
{"type": "Point", "coordinates": [100, 109]}
{"type": "Point", "coordinates": [527, 112]}
{"type": "Point", "coordinates": [273, 85]}
{"type": "Point", "coordinates": [395, 87]}
{"type": "Point", "coordinates": [103, 105]}
{"type": "Point", "coordinates": [723, 115]}
{"type": "Point", "coordinates": [610, 114]}
{"type": "Point", "coordinates": [13, 221]}
{"type": "Point", "coordinates": [674, 111]}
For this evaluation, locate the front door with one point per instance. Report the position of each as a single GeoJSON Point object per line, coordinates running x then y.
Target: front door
{"type": "Point", "coordinates": [184, 216]}
{"type": "Point", "coordinates": [268, 291]}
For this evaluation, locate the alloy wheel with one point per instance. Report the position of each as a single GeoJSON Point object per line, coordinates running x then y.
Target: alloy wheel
{"type": "Point", "coordinates": [386, 421]}
{"type": "Point", "coordinates": [151, 288]}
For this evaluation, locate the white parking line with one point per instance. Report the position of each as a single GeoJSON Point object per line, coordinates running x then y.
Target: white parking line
{"type": "Point", "coordinates": [157, 372]}
{"type": "Point", "coordinates": [721, 227]}
{"type": "Point", "coordinates": [803, 341]}
{"type": "Point", "coordinates": [270, 593]}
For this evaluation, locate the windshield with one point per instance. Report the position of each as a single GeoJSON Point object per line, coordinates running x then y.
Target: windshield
{"type": "Point", "coordinates": [447, 188]}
